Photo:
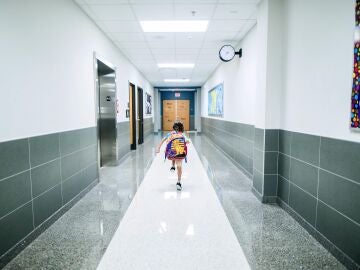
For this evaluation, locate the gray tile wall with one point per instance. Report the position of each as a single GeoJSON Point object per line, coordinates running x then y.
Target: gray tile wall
{"type": "Point", "coordinates": [236, 140]}
{"type": "Point", "coordinates": [39, 176]}
{"type": "Point", "coordinates": [148, 127]}
{"type": "Point", "coordinates": [319, 179]}
{"type": "Point", "coordinates": [266, 151]}
{"type": "Point", "coordinates": [123, 138]}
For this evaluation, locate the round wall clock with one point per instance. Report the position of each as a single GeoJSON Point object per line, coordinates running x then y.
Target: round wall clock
{"type": "Point", "coordinates": [227, 53]}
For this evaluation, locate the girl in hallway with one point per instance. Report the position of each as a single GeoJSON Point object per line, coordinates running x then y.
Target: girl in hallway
{"type": "Point", "coordinates": [176, 149]}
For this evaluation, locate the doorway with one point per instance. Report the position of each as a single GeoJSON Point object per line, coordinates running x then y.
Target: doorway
{"type": "Point", "coordinates": [106, 94]}
{"type": "Point", "coordinates": [140, 115]}
{"type": "Point", "coordinates": [176, 110]}
{"type": "Point", "coordinates": [132, 108]}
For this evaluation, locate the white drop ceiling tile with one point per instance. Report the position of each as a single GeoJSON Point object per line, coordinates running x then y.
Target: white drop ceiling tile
{"type": "Point", "coordinates": [160, 37]}
{"type": "Point", "coordinates": [190, 37]}
{"type": "Point", "coordinates": [202, 12]}
{"type": "Point", "coordinates": [121, 26]}
{"type": "Point", "coordinates": [226, 25]}
{"type": "Point", "coordinates": [220, 36]}
{"type": "Point", "coordinates": [133, 45]}
{"type": "Point", "coordinates": [208, 58]}
{"type": "Point", "coordinates": [234, 11]}
{"type": "Point", "coordinates": [128, 37]}
{"type": "Point", "coordinates": [156, 51]}
{"type": "Point", "coordinates": [186, 58]}
{"type": "Point", "coordinates": [189, 44]}
{"type": "Point", "coordinates": [161, 44]}
{"type": "Point", "coordinates": [112, 12]}
{"type": "Point", "coordinates": [154, 11]}
{"type": "Point", "coordinates": [168, 73]}
{"type": "Point", "coordinates": [187, 40]}
{"type": "Point", "coordinates": [150, 72]}
{"type": "Point", "coordinates": [184, 73]}
{"type": "Point", "coordinates": [165, 58]}
{"type": "Point", "coordinates": [213, 45]}
{"type": "Point", "coordinates": [214, 51]}
{"type": "Point", "coordinates": [187, 51]}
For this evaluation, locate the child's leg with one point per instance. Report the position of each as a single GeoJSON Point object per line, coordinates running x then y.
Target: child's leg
{"type": "Point", "coordinates": [179, 169]}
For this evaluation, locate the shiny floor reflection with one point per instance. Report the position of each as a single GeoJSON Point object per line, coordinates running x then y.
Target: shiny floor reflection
{"type": "Point", "coordinates": [270, 238]}
{"type": "Point", "coordinates": [168, 229]}
{"type": "Point", "coordinates": [80, 237]}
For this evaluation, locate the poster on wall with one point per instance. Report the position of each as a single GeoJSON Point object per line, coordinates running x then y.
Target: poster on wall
{"type": "Point", "coordinates": [216, 101]}
{"type": "Point", "coordinates": [356, 73]}
{"type": "Point", "coordinates": [148, 103]}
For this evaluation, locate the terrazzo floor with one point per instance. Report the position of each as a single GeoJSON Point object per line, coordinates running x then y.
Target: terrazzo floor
{"type": "Point", "coordinates": [268, 236]}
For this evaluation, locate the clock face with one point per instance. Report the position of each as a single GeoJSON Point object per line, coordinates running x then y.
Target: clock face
{"type": "Point", "coordinates": [227, 53]}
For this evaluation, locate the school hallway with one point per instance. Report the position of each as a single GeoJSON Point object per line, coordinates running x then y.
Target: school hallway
{"type": "Point", "coordinates": [260, 97]}
{"type": "Point", "coordinates": [215, 222]}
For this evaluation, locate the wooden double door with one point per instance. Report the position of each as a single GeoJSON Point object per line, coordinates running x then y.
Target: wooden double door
{"type": "Point", "coordinates": [176, 110]}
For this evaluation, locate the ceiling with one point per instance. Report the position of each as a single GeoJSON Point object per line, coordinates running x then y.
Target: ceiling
{"type": "Point", "coordinates": [229, 21]}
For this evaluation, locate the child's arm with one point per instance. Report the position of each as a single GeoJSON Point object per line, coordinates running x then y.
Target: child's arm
{"type": "Point", "coordinates": [160, 144]}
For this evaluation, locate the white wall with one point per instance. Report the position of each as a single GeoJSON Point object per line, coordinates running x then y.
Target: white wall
{"type": "Point", "coordinates": [239, 78]}
{"type": "Point", "coordinates": [47, 78]}
{"type": "Point", "coordinates": [318, 67]}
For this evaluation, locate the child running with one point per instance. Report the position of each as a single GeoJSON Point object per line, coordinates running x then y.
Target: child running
{"type": "Point", "coordinates": [176, 149]}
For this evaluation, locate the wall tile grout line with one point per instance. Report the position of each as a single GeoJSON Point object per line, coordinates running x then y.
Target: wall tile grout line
{"type": "Point", "coordinates": [317, 188]}
{"type": "Point", "coordinates": [79, 150]}
{"type": "Point", "coordinates": [290, 169]}
{"type": "Point", "coordinates": [224, 131]}
{"type": "Point", "coordinates": [322, 169]}
{"type": "Point", "coordinates": [49, 218]}
{"type": "Point", "coordinates": [8, 177]}
{"type": "Point", "coordinates": [293, 212]}
{"type": "Point", "coordinates": [45, 163]}
{"type": "Point", "coordinates": [49, 189]}
{"type": "Point", "coordinates": [31, 186]}
{"type": "Point", "coordinates": [221, 150]}
{"type": "Point", "coordinates": [81, 170]}
{"type": "Point", "coordinates": [342, 214]}
{"type": "Point", "coordinates": [290, 183]}
{"type": "Point", "coordinates": [61, 177]}
{"type": "Point", "coordinates": [14, 210]}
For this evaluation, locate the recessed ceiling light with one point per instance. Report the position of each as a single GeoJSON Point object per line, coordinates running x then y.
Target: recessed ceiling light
{"type": "Point", "coordinates": [174, 26]}
{"type": "Point", "coordinates": [176, 80]}
{"type": "Point", "coordinates": [176, 65]}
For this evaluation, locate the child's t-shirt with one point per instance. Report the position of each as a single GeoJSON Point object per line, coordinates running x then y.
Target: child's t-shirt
{"type": "Point", "coordinates": [174, 132]}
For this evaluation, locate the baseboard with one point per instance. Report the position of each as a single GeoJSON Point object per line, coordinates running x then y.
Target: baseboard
{"type": "Point", "coordinates": [326, 243]}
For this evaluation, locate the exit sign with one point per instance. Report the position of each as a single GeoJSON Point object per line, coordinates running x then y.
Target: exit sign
{"type": "Point", "coordinates": [177, 94]}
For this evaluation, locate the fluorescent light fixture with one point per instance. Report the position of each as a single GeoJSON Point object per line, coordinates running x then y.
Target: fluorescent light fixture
{"type": "Point", "coordinates": [174, 26]}
{"type": "Point", "coordinates": [176, 80]}
{"type": "Point", "coordinates": [176, 65]}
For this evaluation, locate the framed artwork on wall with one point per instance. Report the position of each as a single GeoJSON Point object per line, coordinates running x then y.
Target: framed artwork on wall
{"type": "Point", "coordinates": [355, 93]}
{"type": "Point", "coordinates": [148, 103]}
{"type": "Point", "coordinates": [216, 101]}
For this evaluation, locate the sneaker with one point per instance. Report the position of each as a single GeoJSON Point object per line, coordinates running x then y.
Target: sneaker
{"type": "Point", "coordinates": [178, 186]}
{"type": "Point", "coordinates": [172, 169]}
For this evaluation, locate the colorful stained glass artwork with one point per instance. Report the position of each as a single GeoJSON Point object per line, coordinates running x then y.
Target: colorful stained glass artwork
{"type": "Point", "coordinates": [355, 120]}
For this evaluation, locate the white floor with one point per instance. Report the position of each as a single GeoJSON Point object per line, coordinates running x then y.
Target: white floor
{"type": "Point", "coordinates": [168, 229]}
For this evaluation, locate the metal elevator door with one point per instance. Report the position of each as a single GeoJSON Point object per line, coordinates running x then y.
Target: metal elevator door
{"type": "Point", "coordinates": [107, 119]}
